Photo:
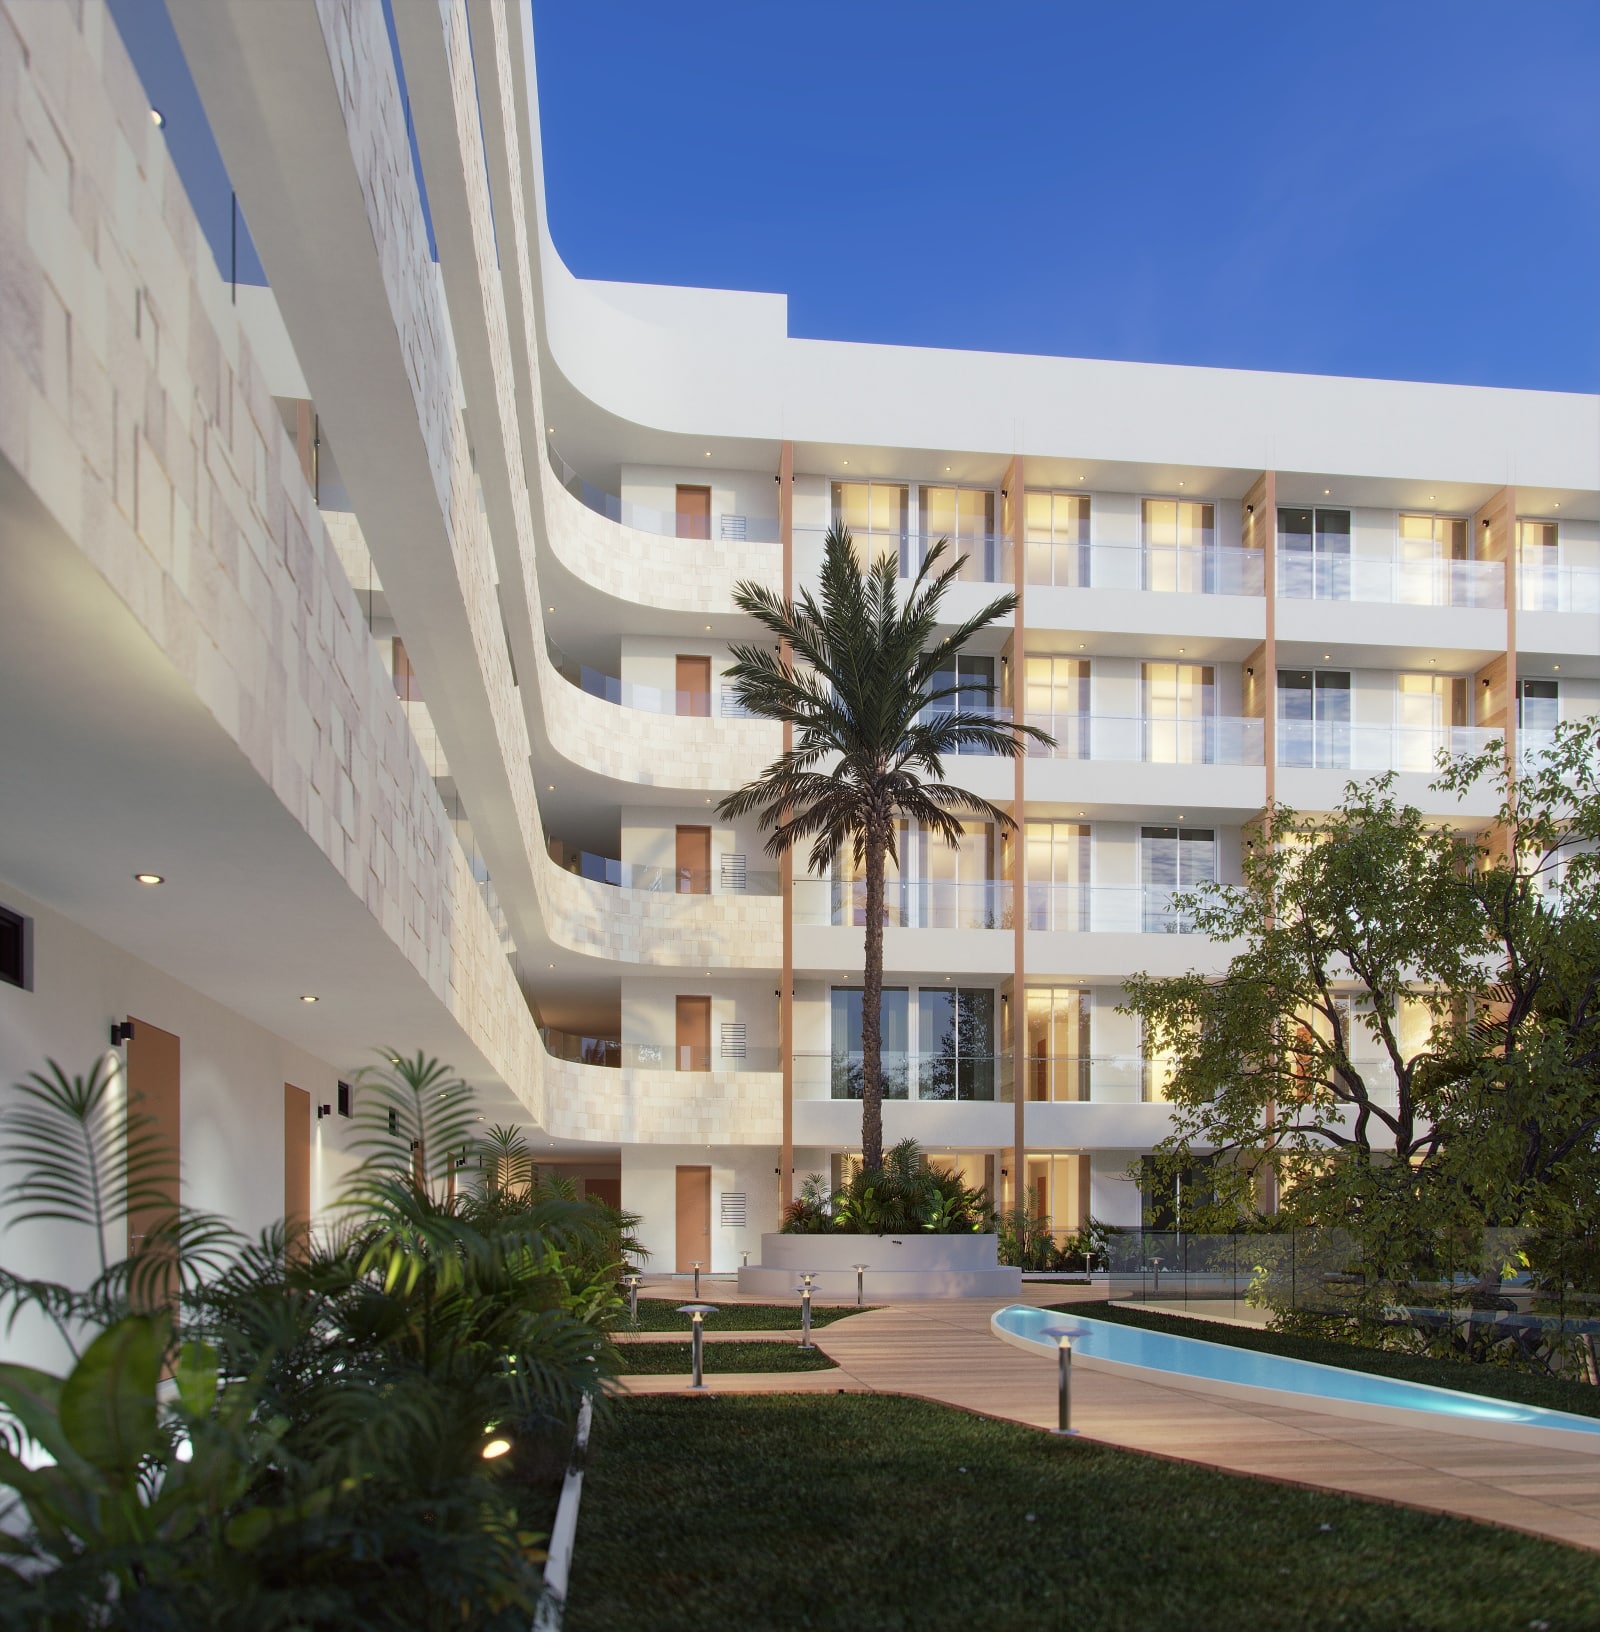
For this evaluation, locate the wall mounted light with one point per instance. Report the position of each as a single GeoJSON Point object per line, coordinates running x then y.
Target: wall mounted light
{"type": "Point", "coordinates": [1249, 671]}
{"type": "Point", "coordinates": [324, 1111]}
{"type": "Point", "coordinates": [121, 1032]}
{"type": "Point", "coordinates": [158, 119]}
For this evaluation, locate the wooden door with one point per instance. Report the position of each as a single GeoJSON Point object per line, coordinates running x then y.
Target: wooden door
{"type": "Point", "coordinates": [296, 1165]}
{"type": "Point", "coordinates": [153, 1090]}
{"type": "Point", "coordinates": [694, 1218]}
{"type": "Point", "coordinates": [607, 1191]}
{"type": "Point", "coordinates": [694, 512]}
{"type": "Point", "coordinates": [694, 861]}
{"type": "Point", "coordinates": [694, 685]}
{"type": "Point", "coordinates": [694, 1034]}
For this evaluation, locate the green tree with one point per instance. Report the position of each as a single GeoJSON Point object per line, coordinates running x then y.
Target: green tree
{"type": "Point", "coordinates": [1406, 1036]}
{"type": "Point", "coordinates": [863, 680]}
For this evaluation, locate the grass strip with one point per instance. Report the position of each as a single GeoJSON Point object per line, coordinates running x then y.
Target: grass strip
{"type": "Point", "coordinates": [1500, 1382]}
{"type": "Point", "coordinates": [852, 1511]}
{"type": "Point", "coordinates": [737, 1357]}
{"type": "Point", "coordinates": [661, 1315]}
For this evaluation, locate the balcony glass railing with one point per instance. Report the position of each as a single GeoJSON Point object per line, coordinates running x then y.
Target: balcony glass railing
{"type": "Point", "coordinates": [658, 1057]}
{"type": "Point", "coordinates": [626, 694]}
{"type": "Point", "coordinates": [1207, 740]}
{"type": "Point", "coordinates": [721, 525]}
{"type": "Point", "coordinates": [1168, 569]}
{"type": "Point", "coordinates": [1558, 589]}
{"type": "Point", "coordinates": [723, 880]}
{"type": "Point", "coordinates": [1336, 745]}
{"type": "Point", "coordinates": [928, 904]}
{"type": "Point", "coordinates": [1430, 583]}
{"type": "Point", "coordinates": [1121, 909]}
{"type": "Point", "coordinates": [985, 558]}
{"type": "Point", "coordinates": [905, 1076]}
{"type": "Point", "coordinates": [1109, 1079]}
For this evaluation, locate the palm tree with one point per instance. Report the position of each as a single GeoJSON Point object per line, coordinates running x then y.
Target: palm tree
{"type": "Point", "coordinates": [861, 678]}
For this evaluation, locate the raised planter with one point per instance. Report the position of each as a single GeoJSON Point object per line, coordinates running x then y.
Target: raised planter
{"type": "Point", "coordinates": [898, 1267]}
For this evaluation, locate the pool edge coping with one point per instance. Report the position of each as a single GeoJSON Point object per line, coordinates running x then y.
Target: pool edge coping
{"type": "Point", "coordinates": [1405, 1417]}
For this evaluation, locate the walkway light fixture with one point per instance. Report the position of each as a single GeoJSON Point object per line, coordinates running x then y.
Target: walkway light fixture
{"type": "Point", "coordinates": [860, 1270]}
{"type": "Point", "coordinates": [697, 1314]}
{"type": "Point", "coordinates": [804, 1290]}
{"type": "Point", "coordinates": [1064, 1385]}
{"type": "Point", "coordinates": [633, 1284]}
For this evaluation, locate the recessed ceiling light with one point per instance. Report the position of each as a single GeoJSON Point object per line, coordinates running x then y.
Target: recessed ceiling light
{"type": "Point", "coordinates": [1180, 651]}
{"type": "Point", "coordinates": [158, 118]}
{"type": "Point", "coordinates": [308, 998]}
{"type": "Point", "coordinates": [1432, 497]}
{"type": "Point", "coordinates": [550, 788]}
{"type": "Point", "coordinates": [1326, 656]}
{"type": "Point", "coordinates": [708, 626]}
{"type": "Point", "coordinates": [1433, 660]}
{"type": "Point", "coordinates": [1558, 666]}
{"type": "Point", "coordinates": [1180, 816]}
{"type": "Point", "coordinates": [1557, 505]}
{"type": "Point", "coordinates": [1180, 484]}
{"type": "Point", "coordinates": [549, 609]}
{"type": "Point", "coordinates": [1081, 645]}
{"type": "Point", "coordinates": [150, 878]}
{"type": "Point", "coordinates": [552, 966]}
{"type": "Point", "coordinates": [549, 430]}
{"type": "Point", "coordinates": [708, 453]}
{"type": "Point", "coordinates": [844, 461]}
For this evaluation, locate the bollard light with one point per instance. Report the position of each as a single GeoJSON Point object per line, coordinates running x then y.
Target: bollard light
{"type": "Point", "coordinates": [1064, 1403]}
{"type": "Point", "coordinates": [633, 1284]}
{"type": "Point", "coordinates": [697, 1314]}
{"type": "Point", "coordinates": [744, 1256]}
{"type": "Point", "coordinates": [697, 1278]}
{"type": "Point", "coordinates": [860, 1271]}
{"type": "Point", "coordinates": [805, 1312]}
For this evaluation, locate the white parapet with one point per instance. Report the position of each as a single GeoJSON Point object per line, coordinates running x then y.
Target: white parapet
{"type": "Point", "coordinates": [897, 1267]}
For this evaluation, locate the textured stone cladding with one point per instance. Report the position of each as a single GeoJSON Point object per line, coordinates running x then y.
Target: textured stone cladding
{"type": "Point", "coordinates": [132, 406]}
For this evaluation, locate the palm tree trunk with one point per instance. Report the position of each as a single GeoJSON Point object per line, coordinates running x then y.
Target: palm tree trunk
{"type": "Point", "coordinates": [872, 1004]}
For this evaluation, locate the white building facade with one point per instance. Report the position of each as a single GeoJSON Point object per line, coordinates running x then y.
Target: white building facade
{"type": "Point", "coordinates": [384, 615]}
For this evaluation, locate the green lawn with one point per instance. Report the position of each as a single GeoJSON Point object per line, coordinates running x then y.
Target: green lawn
{"type": "Point", "coordinates": [737, 1357]}
{"type": "Point", "coordinates": [661, 1315]}
{"type": "Point", "coordinates": [1530, 1388]}
{"type": "Point", "coordinates": [851, 1511]}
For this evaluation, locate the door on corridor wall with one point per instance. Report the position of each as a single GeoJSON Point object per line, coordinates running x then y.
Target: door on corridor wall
{"type": "Point", "coordinates": [694, 1218]}
{"type": "Point", "coordinates": [693, 683]}
{"type": "Point", "coordinates": [694, 861]}
{"type": "Point", "coordinates": [694, 1034]}
{"type": "Point", "coordinates": [694, 512]}
{"type": "Point", "coordinates": [297, 1165]}
{"type": "Point", "coordinates": [153, 1090]}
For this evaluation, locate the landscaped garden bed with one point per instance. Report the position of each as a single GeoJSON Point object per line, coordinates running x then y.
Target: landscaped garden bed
{"type": "Point", "coordinates": [653, 1356]}
{"type": "Point", "coordinates": [661, 1315]}
{"type": "Point", "coordinates": [881, 1512]}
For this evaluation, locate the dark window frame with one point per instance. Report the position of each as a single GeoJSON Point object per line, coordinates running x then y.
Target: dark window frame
{"type": "Point", "coordinates": [16, 931]}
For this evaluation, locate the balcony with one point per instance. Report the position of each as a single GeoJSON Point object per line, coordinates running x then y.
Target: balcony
{"type": "Point", "coordinates": [929, 904]}
{"type": "Point", "coordinates": [723, 525]}
{"type": "Point", "coordinates": [1336, 745]}
{"type": "Point", "coordinates": [1559, 589]}
{"type": "Point", "coordinates": [1104, 1079]}
{"type": "Point", "coordinates": [1128, 909]}
{"type": "Point", "coordinates": [985, 558]}
{"type": "Point", "coordinates": [615, 1054]}
{"type": "Point", "coordinates": [1437, 582]}
{"type": "Point", "coordinates": [1176, 569]}
{"type": "Point", "coordinates": [931, 1077]}
{"type": "Point", "coordinates": [730, 878]}
{"type": "Point", "coordinates": [722, 702]}
{"type": "Point", "coordinates": [1153, 740]}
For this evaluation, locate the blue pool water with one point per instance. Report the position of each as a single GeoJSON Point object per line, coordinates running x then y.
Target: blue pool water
{"type": "Point", "coordinates": [1222, 1363]}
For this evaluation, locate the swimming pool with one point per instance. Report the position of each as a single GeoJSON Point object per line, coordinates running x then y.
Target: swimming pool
{"type": "Point", "coordinates": [1221, 1369]}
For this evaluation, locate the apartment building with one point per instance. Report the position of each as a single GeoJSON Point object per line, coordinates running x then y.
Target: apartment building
{"type": "Point", "coordinates": [364, 640]}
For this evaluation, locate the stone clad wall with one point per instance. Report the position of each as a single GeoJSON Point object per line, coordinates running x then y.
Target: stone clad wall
{"type": "Point", "coordinates": [131, 404]}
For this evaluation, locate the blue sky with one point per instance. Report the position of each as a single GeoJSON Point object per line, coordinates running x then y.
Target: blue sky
{"type": "Point", "coordinates": [1408, 189]}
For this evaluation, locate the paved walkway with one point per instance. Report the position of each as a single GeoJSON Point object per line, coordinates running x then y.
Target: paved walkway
{"type": "Point", "coordinates": [943, 1351]}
